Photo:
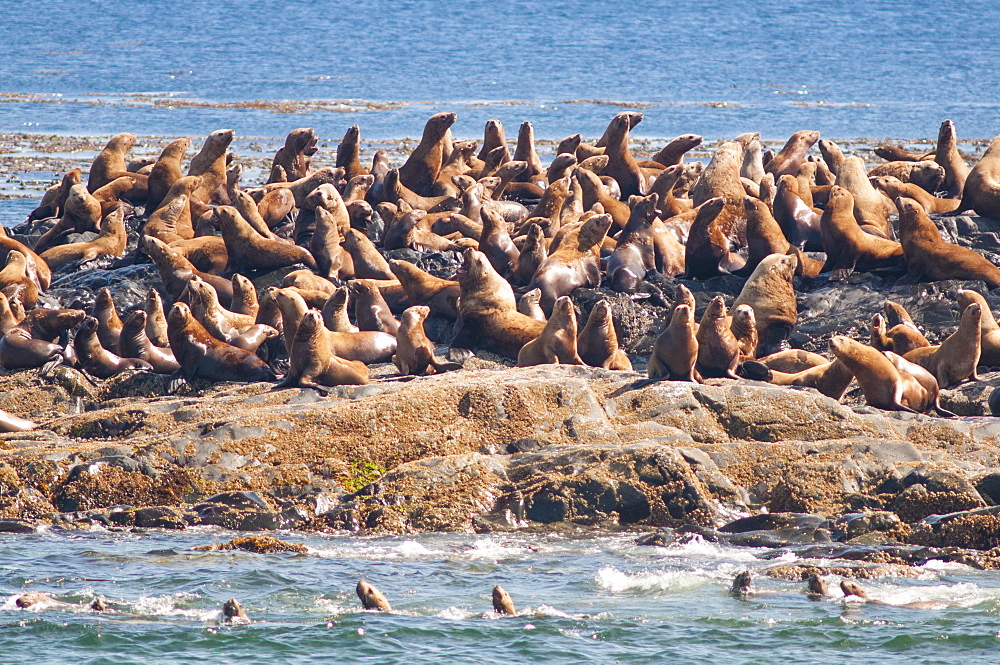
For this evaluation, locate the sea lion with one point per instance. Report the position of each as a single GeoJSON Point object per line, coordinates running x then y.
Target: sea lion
{"type": "Point", "coordinates": [956, 172]}
{"type": "Point", "coordinates": [528, 305]}
{"type": "Point", "coordinates": [744, 327]}
{"type": "Point", "coordinates": [771, 294]}
{"type": "Point", "coordinates": [621, 165]}
{"type": "Point", "coordinates": [929, 257]}
{"type": "Point", "coordinates": [792, 154]}
{"type": "Point", "coordinates": [635, 252]}
{"type": "Point", "coordinates": [234, 613]}
{"type": "Point", "coordinates": [422, 288]}
{"type": "Point", "coordinates": [742, 584]}
{"type": "Point", "coordinates": [368, 261]}
{"type": "Point", "coordinates": [574, 263]}
{"type": "Point", "coordinates": [502, 603]}
{"type": "Point", "coordinates": [894, 188]}
{"type": "Point", "coordinates": [110, 162]}
{"type": "Point", "coordinates": [488, 316]}
{"type": "Point", "coordinates": [365, 346]}
{"type": "Point", "coordinates": [707, 252]}
{"type": "Point", "coordinates": [830, 378]}
{"type": "Point", "coordinates": [210, 164]}
{"type": "Point", "coordinates": [718, 350]}
{"type": "Point", "coordinates": [15, 280]}
{"type": "Point", "coordinates": [54, 198]}
{"type": "Point", "coordinates": [673, 152]}
{"type": "Point", "coordinates": [247, 249]}
{"type": "Point", "coordinates": [8, 319]}
{"type": "Point", "coordinates": [816, 586]}
{"type": "Point", "coordinates": [11, 423]}
{"type": "Point", "coordinates": [870, 209]}
{"type": "Point", "coordinates": [989, 330]}
{"type": "Point", "coordinates": [753, 162]}
{"type": "Point", "coordinates": [111, 240]}
{"type": "Point", "coordinates": [334, 312]}
{"type": "Point", "coordinates": [313, 363]}
{"type": "Point", "coordinates": [325, 245]}
{"type": "Point", "coordinates": [349, 152]}
{"type": "Point", "coordinates": [166, 171]}
{"type": "Point", "coordinates": [156, 319]}
{"type": "Point", "coordinates": [176, 271]}
{"type": "Point", "coordinates": [173, 216]}
{"type": "Point", "coordinates": [97, 360]}
{"type": "Point", "coordinates": [849, 248]}
{"type": "Point", "coordinates": [134, 343]}
{"type": "Point", "coordinates": [764, 235]}
{"type": "Point", "coordinates": [533, 252]}
{"type": "Point", "coordinates": [852, 588]}
{"type": "Point", "coordinates": [372, 598]}
{"type": "Point", "coordinates": [557, 342]}
{"type": "Point", "coordinates": [109, 324]}
{"type": "Point", "coordinates": [721, 177]}
{"type": "Point", "coordinates": [371, 310]}
{"type": "Point", "coordinates": [296, 154]}
{"type": "Point", "coordinates": [414, 351]}
{"type": "Point", "coordinates": [799, 221]}
{"type": "Point", "coordinates": [675, 351]}
{"type": "Point", "coordinates": [202, 356]}
{"type": "Point", "coordinates": [883, 383]}
{"type": "Point", "coordinates": [219, 321]}
{"type": "Point", "coordinates": [19, 350]}
{"type": "Point", "coordinates": [956, 358]}
{"type": "Point", "coordinates": [927, 174]}
{"type": "Point", "coordinates": [38, 270]}
{"type": "Point", "coordinates": [495, 241]}
{"type": "Point", "coordinates": [598, 340]}
{"type": "Point", "coordinates": [982, 188]}
{"type": "Point", "coordinates": [422, 166]}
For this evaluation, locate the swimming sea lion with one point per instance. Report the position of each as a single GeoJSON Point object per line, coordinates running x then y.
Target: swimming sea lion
{"type": "Point", "coordinates": [929, 257]}
{"type": "Point", "coordinates": [742, 584]}
{"type": "Point", "coordinates": [234, 613]}
{"type": "Point", "coordinates": [502, 603]}
{"type": "Point", "coordinates": [598, 340]}
{"type": "Point", "coordinates": [557, 342]}
{"type": "Point", "coordinates": [372, 598]}
{"type": "Point", "coordinates": [675, 351]}
{"type": "Point", "coordinates": [202, 356]}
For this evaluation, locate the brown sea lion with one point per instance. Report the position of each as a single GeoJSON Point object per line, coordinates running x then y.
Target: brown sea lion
{"type": "Point", "coordinates": [372, 598]}
{"type": "Point", "coordinates": [156, 319]}
{"type": "Point", "coordinates": [371, 310]}
{"type": "Point", "coordinates": [989, 331]}
{"type": "Point", "coordinates": [488, 316]}
{"type": "Point", "coordinates": [11, 423]}
{"type": "Point", "coordinates": [176, 271]}
{"type": "Point", "coordinates": [502, 603]}
{"type": "Point", "coordinates": [528, 305]}
{"type": "Point", "coordinates": [532, 253]}
{"type": "Point", "coordinates": [422, 166]}
{"type": "Point", "coordinates": [133, 342]}
{"type": "Point", "coordinates": [422, 288]}
{"type": "Point", "coordinates": [883, 383]}
{"type": "Point", "coordinates": [247, 249]}
{"type": "Point", "coordinates": [574, 263]}
{"type": "Point", "coordinates": [621, 165]}
{"type": "Point", "coordinates": [349, 152]}
{"type": "Point", "coordinates": [524, 151]}
{"type": "Point", "coordinates": [849, 248]}
{"type": "Point", "coordinates": [675, 351]}
{"type": "Point", "coordinates": [929, 257]}
{"type": "Point", "coordinates": [325, 245]}
{"type": "Point", "coordinates": [598, 340]}
{"type": "Point", "coordinates": [109, 325]}
{"type": "Point", "coordinates": [927, 175]}
{"type": "Point", "coordinates": [557, 342]}
{"type": "Point", "coordinates": [673, 152]}
{"type": "Point", "coordinates": [894, 188]}
{"type": "Point", "coordinates": [82, 212]}
{"type": "Point", "coordinates": [753, 162]}
{"type": "Point", "coordinates": [495, 241]}
{"type": "Point", "coordinates": [721, 177]}
{"type": "Point", "coordinates": [219, 321]}
{"type": "Point", "coordinates": [110, 241]}
{"type": "Point", "coordinates": [870, 209]}
{"type": "Point", "coordinates": [202, 356]}
{"type": "Point", "coordinates": [792, 360]}
{"type": "Point", "coordinates": [210, 164]}
{"type": "Point", "coordinates": [713, 232]}
{"type": "Point", "coordinates": [368, 261]}
{"type": "Point", "coordinates": [414, 351]}
{"type": "Point", "coordinates": [956, 172]}
{"type": "Point", "coordinates": [831, 378]}
{"type": "Point", "coordinates": [97, 360]}
{"type": "Point", "coordinates": [8, 319]}
{"type": "Point", "coordinates": [956, 358]}
{"type": "Point", "coordinates": [54, 199]}
{"type": "Point", "coordinates": [798, 221]}
{"type": "Point", "coordinates": [233, 612]}
{"type": "Point", "coordinates": [19, 350]}
{"type": "Point", "coordinates": [313, 363]}
{"type": "Point", "coordinates": [334, 312]}
{"type": "Point", "coordinates": [718, 350]}
{"type": "Point", "coordinates": [296, 154]}
{"type": "Point", "coordinates": [764, 235]}
{"type": "Point", "coordinates": [771, 294]}
{"type": "Point", "coordinates": [166, 171]}
{"type": "Point", "coordinates": [792, 154]}
{"type": "Point", "coordinates": [635, 253]}
{"type": "Point", "coordinates": [982, 188]}
{"type": "Point", "coordinates": [110, 162]}
{"type": "Point", "coordinates": [897, 153]}
{"type": "Point", "coordinates": [744, 327]}
{"type": "Point", "coordinates": [16, 281]}
{"type": "Point", "coordinates": [37, 268]}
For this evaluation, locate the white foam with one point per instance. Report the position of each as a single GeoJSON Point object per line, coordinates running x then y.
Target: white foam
{"type": "Point", "coordinates": [699, 547]}
{"type": "Point", "coordinates": [456, 614]}
{"type": "Point", "coordinates": [962, 594]}
{"type": "Point", "coordinates": [169, 606]}
{"type": "Point", "coordinates": [671, 581]}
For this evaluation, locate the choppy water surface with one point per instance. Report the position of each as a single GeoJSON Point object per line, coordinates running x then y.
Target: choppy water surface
{"type": "Point", "coordinates": [846, 67]}
{"type": "Point", "coordinates": [588, 599]}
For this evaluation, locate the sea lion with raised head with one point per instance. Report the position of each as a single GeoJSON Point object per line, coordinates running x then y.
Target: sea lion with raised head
{"type": "Point", "coordinates": [312, 361]}
{"type": "Point", "coordinates": [210, 164]}
{"type": "Point", "coordinates": [110, 162]}
{"type": "Point", "coordinates": [989, 336]}
{"type": "Point", "coordinates": [414, 351]}
{"type": "Point", "coordinates": [528, 305]}
{"type": "Point", "coordinates": [557, 342]}
{"type": "Point", "coordinates": [202, 356]}
{"type": "Point", "coordinates": [982, 188]}
{"type": "Point", "coordinates": [792, 154]}
{"type": "Point", "coordinates": [372, 598]}
{"type": "Point", "coordinates": [847, 246]}
{"type": "Point", "coordinates": [771, 294]}
{"type": "Point", "coordinates": [176, 271]}
{"type": "Point", "coordinates": [598, 340]}
{"type": "Point", "coordinates": [946, 153]}
{"type": "Point", "coordinates": [870, 206]}
{"type": "Point", "coordinates": [423, 288]}
{"type": "Point", "coordinates": [675, 351]}
{"type": "Point", "coordinates": [574, 263]}
{"type": "Point", "coordinates": [718, 349]}
{"type": "Point", "coordinates": [234, 612]}
{"type": "Point", "coordinates": [97, 360]}
{"type": "Point", "coordinates": [111, 240]}
{"type": "Point", "coordinates": [248, 249]}
{"type": "Point", "coordinates": [296, 154]}
{"type": "Point", "coordinates": [165, 172]}
{"type": "Point", "coordinates": [422, 166]}
{"type": "Point", "coordinates": [956, 358]}
{"type": "Point", "coordinates": [502, 603]}
{"type": "Point", "coordinates": [133, 342]}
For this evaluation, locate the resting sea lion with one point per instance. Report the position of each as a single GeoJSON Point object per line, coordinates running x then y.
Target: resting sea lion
{"type": "Point", "coordinates": [414, 351]}
{"type": "Point", "coordinates": [422, 288]}
{"type": "Point", "coordinates": [744, 328]}
{"type": "Point", "coordinates": [769, 291]}
{"type": "Point", "coordinates": [831, 378]}
{"type": "Point", "coordinates": [528, 305]}
{"type": "Point", "coordinates": [371, 310]}
{"type": "Point", "coordinates": [134, 343]}
{"type": "Point", "coordinates": [557, 342]}
{"type": "Point", "coordinates": [675, 351]}
{"type": "Point", "coordinates": [718, 350]}
{"type": "Point", "coordinates": [97, 360]}
{"type": "Point", "coordinates": [312, 362]}
{"type": "Point", "coordinates": [598, 340]}
{"type": "Point", "coordinates": [957, 357]}
{"type": "Point", "coordinates": [982, 188]}
{"type": "Point", "coordinates": [15, 280]}
{"type": "Point", "coordinates": [248, 249]}
{"type": "Point", "coordinates": [574, 263]}
{"type": "Point", "coordinates": [19, 350]}
{"type": "Point", "coordinates": [111, 240]}
{"type": "Point", "coordinates": [202, 356]}
{"type": "Point", "coordinates": [176, 271]}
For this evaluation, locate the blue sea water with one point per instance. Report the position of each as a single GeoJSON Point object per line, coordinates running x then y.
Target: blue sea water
{"type": "Point", "coordinates": [847, 68]}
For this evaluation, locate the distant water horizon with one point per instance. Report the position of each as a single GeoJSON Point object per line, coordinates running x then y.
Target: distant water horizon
{"type": "Point", "coordinates": [846, 68]}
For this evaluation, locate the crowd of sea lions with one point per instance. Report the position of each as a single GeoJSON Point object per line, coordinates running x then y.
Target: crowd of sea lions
{"type": "Point", "coordinates": [528, 235]}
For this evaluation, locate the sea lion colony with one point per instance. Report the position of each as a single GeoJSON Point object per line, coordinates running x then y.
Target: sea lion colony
{"type": "Point", "coordinates": [529, 235]}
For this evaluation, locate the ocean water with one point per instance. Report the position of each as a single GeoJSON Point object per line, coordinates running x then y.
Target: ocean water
{"type": "Point", "coordinates": [596, 598]}
{"type": "Point", "coordinates": [848, 68]}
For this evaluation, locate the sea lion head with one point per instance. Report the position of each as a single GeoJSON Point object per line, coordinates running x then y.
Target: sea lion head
{"type": "Point", "coordinates": [134, 324]}
{"type": "Point", "coordinates": [971, 315]}
{"type": "Point", "coordinates": [595, 164]}
{"type": "Point", "coordinates": [121, 142]}
{"type": "Point", "coordinates": [743, 582]}
{"type": "Point", "coordinates": [89, 325]}
{"type": "Point", "coordinates": [221, 137]}
{"type": "Point", "coordinates": [414, 316]}
{"type": "Point", "coordinates": [303, 140]}
{"type": "Point", "coordinates": [744, 320]}
{"type": "Point", "coordinates": [16, 259]}
{"type": "Point", "coordinates": [311, 322]}
{"type": "Point", "coordinates": [179, 316]}
{"type": "Point", "coordinates": [817, 585]}
{"type": "Point", "coordinates": [563, 160]}
{"type": "Point", "coordinates": [594, 230]}
{"type": "Point", "coordinates": [601, 314]}
{"type": "Point", "coordinates": [372, 598]}
{"type": "Point", "coordinates": [716, 309]}
{"type": "Point", "coordinates": [683, 316]}
{"type": "Point", "coordinates": [233, 610]}
{"type": "Point", "coordinates": [852, 588]}
{"type": "Point", "coordinates": [563, 310]}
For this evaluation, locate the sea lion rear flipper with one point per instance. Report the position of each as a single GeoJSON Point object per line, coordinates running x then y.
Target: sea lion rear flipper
{"type": "Point", "coordinates": [50, 366]}
{"type": "Point", "coordinates": [774, 340]}
{"type": "Point", "coordinates": [754, 370]}
{"type": "Point", "coordinates": [943, 412]}
{"type": "Point", "coordinates": [177, 379]}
